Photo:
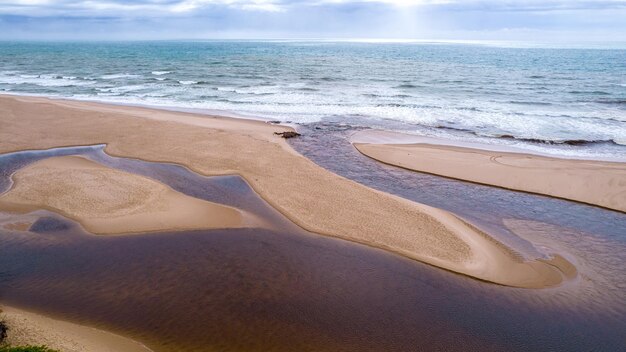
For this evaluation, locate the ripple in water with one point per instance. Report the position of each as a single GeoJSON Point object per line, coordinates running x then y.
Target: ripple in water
{"type": "Point", "coordinates": [286, 289]}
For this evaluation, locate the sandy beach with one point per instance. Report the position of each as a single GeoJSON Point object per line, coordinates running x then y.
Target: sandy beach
{"type": "Point", "coordinates": [310, 196]}
{"type": "Point", "coordinates": [601, 183]}
{"type": "Point", "coordinates": [108, 201]}
{"type": "Point", "coordinates": [26, 328]}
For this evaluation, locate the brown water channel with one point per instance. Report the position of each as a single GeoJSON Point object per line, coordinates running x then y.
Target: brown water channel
{"type": "Point", "coordinates": [290, 290]}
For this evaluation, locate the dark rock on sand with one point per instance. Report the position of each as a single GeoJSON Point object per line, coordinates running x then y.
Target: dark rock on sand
{"type": "Point", "coordinates": [288, 134]}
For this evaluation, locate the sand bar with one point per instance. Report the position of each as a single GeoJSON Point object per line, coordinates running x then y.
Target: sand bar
{"type": "Point", "coordinates": [26, 328]}
{"type": "Point", "coordinates": [307, 194]}
{"type": "Point", "coordinates": [109, 201]}
{"type": "Point", "coordinates": [600, 183]}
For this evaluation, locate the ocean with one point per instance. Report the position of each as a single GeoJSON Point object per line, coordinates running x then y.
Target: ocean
{"type": "Point", "coordinates": [564, 101]}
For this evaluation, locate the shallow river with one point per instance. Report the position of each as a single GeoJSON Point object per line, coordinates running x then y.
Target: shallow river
{"type": "Point", "coordinates": [289, 290]}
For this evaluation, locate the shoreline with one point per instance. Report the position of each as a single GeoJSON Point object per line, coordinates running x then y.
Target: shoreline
{"type": "Point", "coordinates": [230, 114]}
{"type": "Point", "coordinates": [597, 183]}
{"type": "Point", "coordinates": [375, 136]}
{"type": "Point", "coordinates": [393, 137]}
{"type": "Point", "coordinates": [285, 179]}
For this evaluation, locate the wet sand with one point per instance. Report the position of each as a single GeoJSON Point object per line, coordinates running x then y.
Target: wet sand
{"type": "Point", "coordinates": [308, 195]}
{"type": "Point", "coordinates": [600, 183]}
{"type": "Point", "coordinates": [108, 201]}
{"type": "Point", "coordinates": [27, 328]}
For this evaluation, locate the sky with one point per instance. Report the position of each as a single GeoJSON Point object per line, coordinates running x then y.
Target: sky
{"type": "Point", "coordinates": [504, 20]}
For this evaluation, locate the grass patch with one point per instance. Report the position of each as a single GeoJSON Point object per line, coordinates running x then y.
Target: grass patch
{"type": "Point", "coordinates": [26, 349]}
{"type": "Point", "coordinates": [4, 348]}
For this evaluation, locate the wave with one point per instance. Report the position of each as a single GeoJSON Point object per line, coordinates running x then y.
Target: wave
{"type": "Point", "coordinates": [594, 92]}
{"type": "Point", "coordinates": [407, 85]}
{"type": "Point", "coordinates": [187, 83]}
{"type": "Point", "coordinates": [409, 106]}
{"type": "Point", "coordinates": [572, 142]}
{"type": "Point", "coordinates": [160, 73]}
{"type": "Point", "coordinates": [332, 79]}
{"type": "Point", "coordinates": [255, 90]}
{"type": "Point", "coordinates": [521, 102]}
{"type": "Point", "coordinates": [123, 89]}
{"type": "Point", "coordinates": [469, 108]}
{"type": "Point", "coordinates": [118, 76]}
{"type": "Point", "coordinates": [459, 129]}
{"type": "Point", "coordinates": [46, 80]}
{"type": "Point", "coordinates": [611, 101]}
{"type": "Point", "coordinates": [373, 95]}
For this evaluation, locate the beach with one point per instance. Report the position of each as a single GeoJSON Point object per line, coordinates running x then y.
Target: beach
{"type": "Point", "coordinates": [286, 180]}
{"type": "Point", "coordinates": [601, 183]}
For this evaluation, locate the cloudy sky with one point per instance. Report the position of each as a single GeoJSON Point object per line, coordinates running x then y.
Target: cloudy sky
{"type": "Point", "coordinates": [528, 20]}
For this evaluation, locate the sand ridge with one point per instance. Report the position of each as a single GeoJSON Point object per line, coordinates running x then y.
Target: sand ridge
{"type": "Point", "coordinates": [600, 183]}
{"type": "Point", "coordinates": [109, 201]}
{"type": "Point", "coordinates": [307, 194]}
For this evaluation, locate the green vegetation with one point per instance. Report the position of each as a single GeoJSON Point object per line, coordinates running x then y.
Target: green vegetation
{"type": "Point", "coordinates": [3, 348]}
{"type": "Point", "coordinates": [3, 330]}
{"type": "Point", "coordinates": [26, 349]}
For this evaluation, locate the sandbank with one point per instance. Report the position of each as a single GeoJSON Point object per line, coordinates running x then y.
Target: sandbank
{"type": "Point", "coordinates": [601, 183]}
{"type": "Point", "coordinates": [26, 328]}
{"type": "Point", "coordinates": [109, 201]}
{"type": "Point", "coordinates": [310, 196]}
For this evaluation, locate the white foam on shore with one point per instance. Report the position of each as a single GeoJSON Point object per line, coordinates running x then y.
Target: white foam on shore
{"type": "Point", "coordinates": [302, 109]}
{"type": "Point", "coordinates": [393, 137]}
{"type": "Point", "coordinates": [44, 80]}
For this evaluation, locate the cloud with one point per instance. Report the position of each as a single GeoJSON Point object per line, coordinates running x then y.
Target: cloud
{"type": "Point", "coordinates": [535, 5]}
{"type": "Point", "coordinates": [423, 19]}
{"type": "Point", "coordinates": [124, 8]}
{"type": "Point", "coordinates": [145, 8]}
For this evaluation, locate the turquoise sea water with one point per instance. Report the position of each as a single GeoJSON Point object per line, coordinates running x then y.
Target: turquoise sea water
{"type": "Point", "coordinates": [565, 101]}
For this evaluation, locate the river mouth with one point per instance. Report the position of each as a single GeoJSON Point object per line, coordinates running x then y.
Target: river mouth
{"type": "Point", "coordinates": [284, 289]}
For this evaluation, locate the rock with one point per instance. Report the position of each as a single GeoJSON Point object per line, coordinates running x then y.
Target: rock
{"type": "Point", "coordinates": [288, 134]}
